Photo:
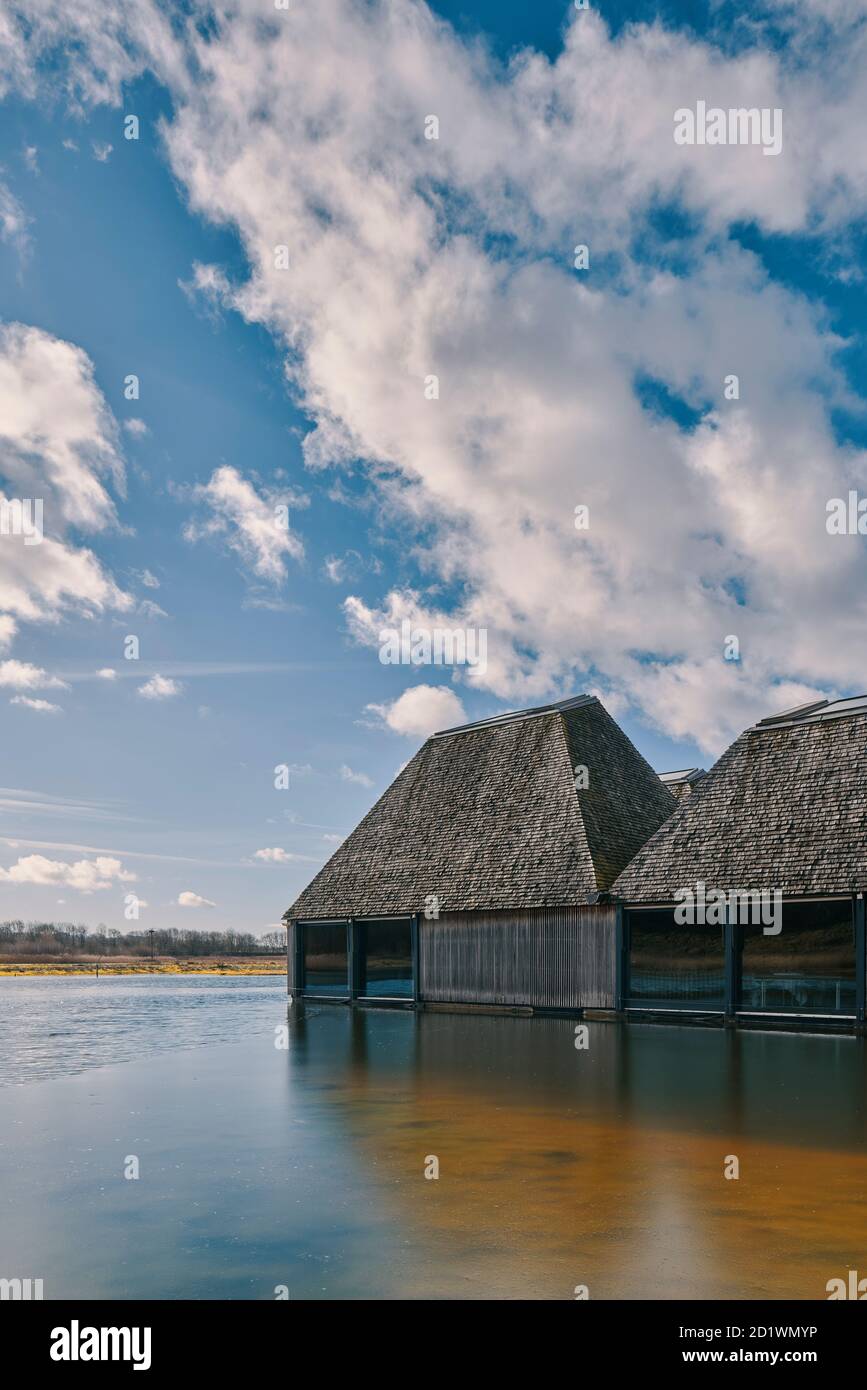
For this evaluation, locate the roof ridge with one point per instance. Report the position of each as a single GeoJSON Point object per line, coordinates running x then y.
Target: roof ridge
{"type": "Point", "coordinates": [619, 813]}
{"type": "Point", "coordinates": [518, 715]}
{"type": "Point", "coordinates": [575, 800]}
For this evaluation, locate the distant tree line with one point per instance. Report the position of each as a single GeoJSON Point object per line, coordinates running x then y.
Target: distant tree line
{"type": "Point", "coordinates": [71, 939]}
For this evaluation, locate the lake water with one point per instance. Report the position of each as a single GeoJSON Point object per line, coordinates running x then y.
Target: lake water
{"type": "Point", "coordinates": [55, 1026]}
{"type": "Point", "coordinates": [263, 1166]}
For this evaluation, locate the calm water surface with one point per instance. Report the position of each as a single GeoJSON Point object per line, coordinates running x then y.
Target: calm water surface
{"type": "Point", "coordinates": [55, 1026]}
{"type": "Point", "coordinates": [304, 1166]}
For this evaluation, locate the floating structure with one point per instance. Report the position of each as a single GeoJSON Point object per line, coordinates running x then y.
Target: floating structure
{"type": "Point", "coordinates": [536, 861]}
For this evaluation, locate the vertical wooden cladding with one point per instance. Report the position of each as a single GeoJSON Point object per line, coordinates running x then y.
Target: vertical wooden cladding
{"type": "Point", "coordinates": [291, 929]}
{"type": "Point", "coordinates": [555, 957]}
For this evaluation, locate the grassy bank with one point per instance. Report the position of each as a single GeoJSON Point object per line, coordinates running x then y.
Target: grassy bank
{"type": "Point", "coordinates": [134, 965]}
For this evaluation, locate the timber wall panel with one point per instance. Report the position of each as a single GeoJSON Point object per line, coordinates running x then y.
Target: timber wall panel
{"type": "Point", "coordinates": [557, 957]}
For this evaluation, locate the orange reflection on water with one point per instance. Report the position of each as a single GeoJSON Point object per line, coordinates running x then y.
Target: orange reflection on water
{"type": "Point", "coordinates": [547, 1182]}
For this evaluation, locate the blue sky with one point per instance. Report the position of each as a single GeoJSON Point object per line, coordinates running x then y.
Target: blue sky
{"type": "Point", "coordinates": [153, 257]}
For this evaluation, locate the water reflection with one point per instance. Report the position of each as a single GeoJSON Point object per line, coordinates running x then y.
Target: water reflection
{"type": "Point", "coordinates": [305, 1166]}
{"type": "Point", "coordinates": [793, 1085]}
{"type": "Point", "coordinates": [606, 1167]}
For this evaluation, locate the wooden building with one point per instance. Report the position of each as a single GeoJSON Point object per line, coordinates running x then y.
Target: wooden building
{"type": "Point", "coordinates": [535, 860]}
{"type": "Point", "coordinates": [482, 875]}
{"type": "Point", "coordinates": [778, 829]}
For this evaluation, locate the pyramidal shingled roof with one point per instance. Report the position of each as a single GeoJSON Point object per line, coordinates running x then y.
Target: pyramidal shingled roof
{"type": "Point", "coordinates": [784, 807]}
{"type": "Point", "coordinates": [488, 816]}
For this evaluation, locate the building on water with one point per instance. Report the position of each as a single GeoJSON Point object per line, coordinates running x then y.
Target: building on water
{"type": "Point", "coordinates": [485, 870]}
{"type": "Point", "coordinates": [536, 861]}
{"type": "Point", "coordinates": [778, 827]}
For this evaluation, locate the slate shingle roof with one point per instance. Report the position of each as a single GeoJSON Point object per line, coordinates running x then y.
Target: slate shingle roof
{"type": "Point", "coordinates": [784, 807]}
{"type": "Point", "coordinates": [488, 817]}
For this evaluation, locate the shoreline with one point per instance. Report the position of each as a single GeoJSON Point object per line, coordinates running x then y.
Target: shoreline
{"type": "Point", "coordinates": [89, 969]}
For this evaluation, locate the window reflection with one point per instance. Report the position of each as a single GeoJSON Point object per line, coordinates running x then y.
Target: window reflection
{"type": "Point", "coordinates": [326, 962]}
{"type": "Point", "coordinates": [808, 968]}
{"type": "Point", "coordinates": [385, 959]}
{"type": "Point", "coordinates": [674, 966]}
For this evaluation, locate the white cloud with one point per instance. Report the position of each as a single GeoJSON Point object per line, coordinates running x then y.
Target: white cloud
{"type": "Point", "coordinates": [14, 222]}
{"type": "Point", "coordinates": [44, 582]}
{"type": "Point", "coordinates": [284, 856]}
{"type": "Point", "coordinates": [85, 875]}
{"type": "Point", "coordinates": [42, 706]}
{"type": "Point", "coordinates": [22, 675]}
{"type": "Point", "coordinates": [149, 580]}
{"type": "Point", "coordinates": [58, 441]}
{"type": "Point", "coordinates": [160, 688]}
{"type": "Point", "coordinates": [137, 428]}
{"type": "Point", "coordinates": [102, 150]}
{"type": "Point", "coordinates": [310, 133]}
{"type": "Point", "coordinates": [55, 427]}
{"type": "Point", "coordinates": [490, 468]}
{"type": "Point", "coordinates": [340, 569]}
{"type": "Point", "coordinates": [21, 802]}
{"type": "Point", "coordinates": [361, 778]}
{"type": "Point", "coordinates": [249, 522]}
{"type": "Point", "coordinates": [150, 610]}
{"type": "Point", "coordinates": [104, 45]}
{"type": "Point", "coordinates": [107, 673]}
{"type": "Point", "coordinates": [421, 710]}
{"type": "Point", "coordinates": [188, 899]}
{"type": "Point", "coordinates": [273, 856]}
{"type": "Point", "coordinates": [334, 568]}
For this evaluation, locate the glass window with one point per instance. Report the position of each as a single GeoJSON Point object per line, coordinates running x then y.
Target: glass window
{"type": "Point", "coordinates": [326, 962]}
{"type": "Point", "coordinates": [673, 966]}
{"type": "Point", "coordinates": [808, 968]}
{"type": "Point", "coordinates": [385, 959]}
